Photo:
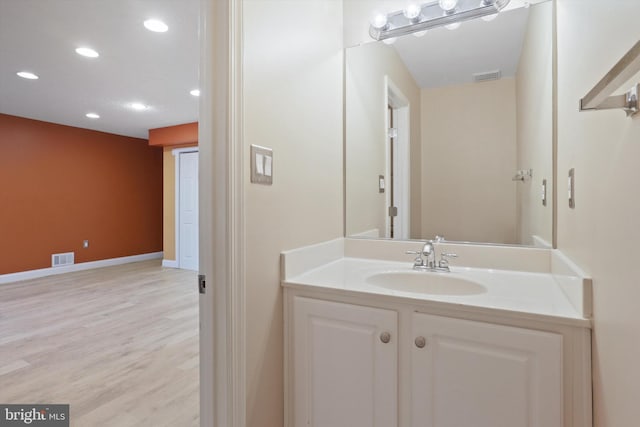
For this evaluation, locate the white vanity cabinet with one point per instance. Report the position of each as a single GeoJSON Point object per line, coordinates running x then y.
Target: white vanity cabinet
{"type": "Point", "coordinates": [344, 365]}
{"type": "Point", "coordinates": [354, 361]}
{"type": "Point", "coordinates": [467, 373]}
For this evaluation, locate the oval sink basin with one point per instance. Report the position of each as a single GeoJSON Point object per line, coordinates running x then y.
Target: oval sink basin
{"type": "Point", "coordinates": [424, 282]}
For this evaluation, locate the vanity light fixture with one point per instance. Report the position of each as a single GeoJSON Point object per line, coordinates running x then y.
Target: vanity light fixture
{"type": "Point", "coordinates": [27, 75]}
{"type": "Point", "coordinates": [156, 26]}
{"type": "Point", "coordinates": [419, 17]}
{"type": "Point", "coordinates": [88, 52]}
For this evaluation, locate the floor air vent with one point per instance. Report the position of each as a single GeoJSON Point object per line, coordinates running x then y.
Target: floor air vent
{"type": "Point", "coordinates": [488, 76]}
{"type": "Point", "coordinates": [58, 260]}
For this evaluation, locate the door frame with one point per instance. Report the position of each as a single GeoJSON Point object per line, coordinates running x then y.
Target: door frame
{"type": "Point", "coordinates": [399, 103]}
{"type": "Point", "coordinates": [176, 154]}
{"type": "Point", "coordinates": [221, 209]}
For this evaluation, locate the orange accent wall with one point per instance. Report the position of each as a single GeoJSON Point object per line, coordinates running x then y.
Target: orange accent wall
{"type": "Point", "coordinates": [174, 135]}
{"type": "Point", "coordinates": [60, 185]}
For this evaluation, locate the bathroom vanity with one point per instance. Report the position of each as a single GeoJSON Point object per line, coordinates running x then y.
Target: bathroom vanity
{"type": "Point", "coordinates": [502, 340]}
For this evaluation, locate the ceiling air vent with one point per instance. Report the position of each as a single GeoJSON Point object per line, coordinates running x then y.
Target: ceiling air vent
{"type": "Point", "coordinates": [487, 77]}
{"type": "Point", "coordinates": [58, 260]}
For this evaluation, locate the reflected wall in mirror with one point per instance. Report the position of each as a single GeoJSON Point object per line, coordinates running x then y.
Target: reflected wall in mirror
{"type": "Point", "coordinates": [442, 131]}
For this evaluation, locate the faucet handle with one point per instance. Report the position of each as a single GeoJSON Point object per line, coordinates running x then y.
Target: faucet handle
{"type": "Point", "coordinates": [418, 261]}
{"type": "Point", "coordinates": [444, 262]}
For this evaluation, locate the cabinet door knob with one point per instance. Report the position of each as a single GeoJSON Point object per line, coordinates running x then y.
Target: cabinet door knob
{"type": "Point", "coordinates": [420, 342]}
{"type": "Point", "coordinates": [385, 337]}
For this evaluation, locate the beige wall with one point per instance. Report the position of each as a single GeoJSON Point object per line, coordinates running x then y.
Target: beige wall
{"type": "Point", "coordinates": [366, 135]}
{"type": "Point", "coordinates": [534, 92]}
{"type": "Point", "coordinates": [292, 103]}
{"type": "Point", "coordinates": [602, 232]}
{"type": "Point", "coordinates": [168, 204]}
{"type": "Point", "coordinates": [468, 160]}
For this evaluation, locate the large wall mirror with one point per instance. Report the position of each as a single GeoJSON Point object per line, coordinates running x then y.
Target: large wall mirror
{"type": "Point", "coordinates": [451, 133]}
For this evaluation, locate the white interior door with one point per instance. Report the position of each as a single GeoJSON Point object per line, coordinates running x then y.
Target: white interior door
{"type": "Point", "coordinates": [188, 210]}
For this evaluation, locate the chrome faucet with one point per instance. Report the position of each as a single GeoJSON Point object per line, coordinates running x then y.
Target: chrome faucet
{"type": "Point", "coordinates": [429, 262]}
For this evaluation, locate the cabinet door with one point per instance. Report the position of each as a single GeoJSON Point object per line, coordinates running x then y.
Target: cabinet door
{"type": "Point", "coordinates": [344, 374]}
{"type": "Point", "coordinates": [474, 374]}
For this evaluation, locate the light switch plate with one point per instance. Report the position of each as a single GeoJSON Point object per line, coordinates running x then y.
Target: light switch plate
{"type": "Point", "coordinates": [261, 165]}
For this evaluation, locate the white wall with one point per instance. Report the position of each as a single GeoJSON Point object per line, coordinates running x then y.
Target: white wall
{"type": "Point", "coordinates": [602, 232]}
{"type": "Point", "coordinates": [534, 96]}
{"type": "Point", "coordinates": [366, 150]}
{"type": "Point", "coordinates": [293, 103]}
{"type": "Point", "coordinates": [468, 160]}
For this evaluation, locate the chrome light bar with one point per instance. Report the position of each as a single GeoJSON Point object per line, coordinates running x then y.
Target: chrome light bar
{"type": "Point", "coordinates": [432, 15]}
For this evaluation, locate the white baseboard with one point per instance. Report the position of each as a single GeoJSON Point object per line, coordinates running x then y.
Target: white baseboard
{"type": "Point", "coordinates": [171, 263]}
{"type": "Point", "coordinates": [43, 272]}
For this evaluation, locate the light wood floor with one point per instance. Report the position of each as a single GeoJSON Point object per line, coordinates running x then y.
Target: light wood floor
{"type": "Point", "coordinates": [119, 344]}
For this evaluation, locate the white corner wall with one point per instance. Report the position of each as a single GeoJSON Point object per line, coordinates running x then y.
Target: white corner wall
{"type": "Point", "coordinates": [293, 104]}
{"type": "Point", "coordinates": [602, 233]}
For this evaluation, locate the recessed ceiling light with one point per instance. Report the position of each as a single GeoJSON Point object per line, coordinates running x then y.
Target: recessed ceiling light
{"type": "Point", "coordinates": [195, 92]}
{"type": "Point", "coordinates": [156, 25]}
{"type": "Point", "coordinates": [27, 75]}
{"type": "Point", "coordinates": [138, 106]}
{"type": "Point", "coordinates": [88, 52]}
{"type": "Point", "coordinates": [93, 115]}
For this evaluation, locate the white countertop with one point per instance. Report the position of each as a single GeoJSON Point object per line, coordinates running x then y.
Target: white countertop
{"type": "Point", "coordinates": [507, 292]}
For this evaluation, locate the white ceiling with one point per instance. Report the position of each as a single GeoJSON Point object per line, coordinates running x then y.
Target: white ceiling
{"type": "Point", "coordinates": [445, 57]}
{"type": "Point", "coordinates": [135, 65]}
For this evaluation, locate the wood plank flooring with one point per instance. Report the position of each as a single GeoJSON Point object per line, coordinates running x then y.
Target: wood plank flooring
{"type": "Point", "coordinates": [119, 344]}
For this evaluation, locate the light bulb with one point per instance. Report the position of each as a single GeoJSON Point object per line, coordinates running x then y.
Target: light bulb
{"type": "Point", "coordinates": [453, 26]}
{"type": "Point", "coordinates": [412, 11]}
{"type": "Point", "coordinates": [489, 17]}
{"type": "Point", "coordinates": [391, 40]}
{"type": "Point", "coordinates": [378, 20]}
{"type": "Point", "coordinates": [448, 5]}
{"type": "Point", "coordinates": [420, 33]}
